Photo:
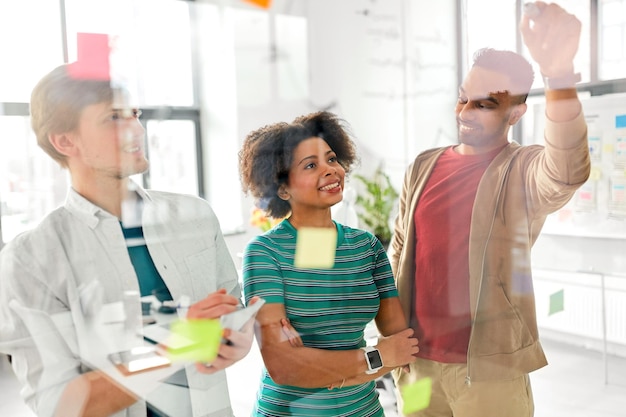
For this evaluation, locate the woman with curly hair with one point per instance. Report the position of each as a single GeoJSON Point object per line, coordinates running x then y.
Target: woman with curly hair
{"type": "Point", "coordinates": [311, 330]}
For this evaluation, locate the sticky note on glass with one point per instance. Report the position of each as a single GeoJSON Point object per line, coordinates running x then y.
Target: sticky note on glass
{"type": "Point", "coordinates": [92, 57]}
{"type": "Point", "coordinates": [196, 340]}
{"type": "Point", "coordinates": [595, 174]}
{"type": "Point", "coordinates": [315, 247]}
{"type": "Point", "coordinates": [557, 302]}
{"type": "Point", "coordinates": [261, 3]}
{"type": "Point", "coordinates": [416, 396]}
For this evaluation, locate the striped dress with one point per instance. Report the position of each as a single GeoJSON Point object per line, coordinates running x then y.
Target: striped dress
{"type": "Point", "coordinates": [328, 307]}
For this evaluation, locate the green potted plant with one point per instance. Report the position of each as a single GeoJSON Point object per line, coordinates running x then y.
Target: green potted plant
{"type": "Point", "coordinates": [375, 203]}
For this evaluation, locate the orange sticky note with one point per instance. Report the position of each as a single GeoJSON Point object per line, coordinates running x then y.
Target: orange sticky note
{"type": "Point", "coordinates": [315, 247]}
{"type": "Point", "coordinates": [261, 3]}
{"type": "Point", "coordinates": [416, 396]}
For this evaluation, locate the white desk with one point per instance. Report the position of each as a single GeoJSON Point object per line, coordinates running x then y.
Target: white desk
{"type": "Point", "coordinates": [108, 334]}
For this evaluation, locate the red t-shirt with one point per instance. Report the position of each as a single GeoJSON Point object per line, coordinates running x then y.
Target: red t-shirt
{"type": "Point", "coordinates": [442, 225]}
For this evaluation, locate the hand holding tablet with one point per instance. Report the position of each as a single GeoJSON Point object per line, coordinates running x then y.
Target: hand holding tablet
{"type": "Point", "coordinates": [238, 318]}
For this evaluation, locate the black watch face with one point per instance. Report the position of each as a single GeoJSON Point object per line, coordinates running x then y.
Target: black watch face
{"type": "Point", "coordinates": [374, 359]}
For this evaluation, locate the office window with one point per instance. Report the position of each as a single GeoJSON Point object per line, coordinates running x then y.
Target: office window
{"type": "Point", "coordinates": [483, 30]}
{"type": "Point", "coordinates": [30, 43]}
{"type": "Point", "coordinates": [150, 42]}
{"type": "Point", "coordinates": [31, 183]}
{"type": "Point", "coordinates": [488, 24]}
{"type": "Point", "coordinates": [255, 54]}
{"type": "Point", "coordinates": [151, 55]}
{"type": "Point", "coordinates": [292, 57]}
{"type": "Point", "coordinates": [172, 154]}
{"type": "Point", "coordinates": [612, 39]}
{"type": "Point", "coordinates": [272, 57]}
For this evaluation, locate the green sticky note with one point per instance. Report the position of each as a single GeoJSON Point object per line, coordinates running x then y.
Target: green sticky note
{"type": "Point", "coordinates": [315, 247]}
{"type": "Point", "coordinates": [416, 396]}
{"type": "Point", "coordinates": [196, 340]}
{"type": "Point", "coordinates": [557, 302]}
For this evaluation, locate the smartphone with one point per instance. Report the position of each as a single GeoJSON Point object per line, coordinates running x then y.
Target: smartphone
{"type": "Point", "coordinates": [238, 318]}
{"type": "Point", "coordinates": [138, 359]}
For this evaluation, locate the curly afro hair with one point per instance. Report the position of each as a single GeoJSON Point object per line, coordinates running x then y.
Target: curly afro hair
{"type": "Point", "coordinates": [267, 154]}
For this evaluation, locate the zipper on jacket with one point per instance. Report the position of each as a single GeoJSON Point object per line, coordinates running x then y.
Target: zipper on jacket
{"type": "Point", "coordinates": [468, 378]}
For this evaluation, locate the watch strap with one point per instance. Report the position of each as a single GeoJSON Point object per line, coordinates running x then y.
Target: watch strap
{"type": "Point", "coordinates": [561, 82]}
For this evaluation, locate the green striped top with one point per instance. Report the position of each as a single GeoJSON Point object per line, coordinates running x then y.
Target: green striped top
{"type": "Point", "coordinates": [328, 307]}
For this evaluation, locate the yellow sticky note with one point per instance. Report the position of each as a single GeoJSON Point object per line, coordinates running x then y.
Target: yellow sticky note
{"type": "Point", "coordinates": [416, 396]}
{"type": "Point", "coordinates": [607, 148]}
{"type": "Point", "coordinates": [196, 340]}
{"type": "Point", "coordinates": [315, 247]}
{"type": "Point", "coordinates": [595, 174]}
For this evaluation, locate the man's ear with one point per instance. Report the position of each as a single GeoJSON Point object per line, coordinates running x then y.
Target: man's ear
{"type": "Point", "coordinates": [63, 143]}
{"type": "Point", "coordinates": [517, 113]}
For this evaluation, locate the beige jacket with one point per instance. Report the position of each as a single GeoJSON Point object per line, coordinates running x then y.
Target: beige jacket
{"type": "Point", "coordinates": [521, 186]}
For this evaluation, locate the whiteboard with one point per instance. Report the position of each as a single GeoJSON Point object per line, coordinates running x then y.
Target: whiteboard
{"type": "Point", "coordinates": [598, 209]}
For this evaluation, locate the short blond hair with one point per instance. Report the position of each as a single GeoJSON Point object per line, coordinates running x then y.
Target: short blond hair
{"type": "Point", "coordinates": [56, 104]}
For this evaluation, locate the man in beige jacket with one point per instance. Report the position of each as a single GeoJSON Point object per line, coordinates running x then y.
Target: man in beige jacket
{"type": "Point", "coordinates": [468, 217]}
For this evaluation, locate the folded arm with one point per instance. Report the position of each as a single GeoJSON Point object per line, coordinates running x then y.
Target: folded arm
{"type": "Point", "coordinates": [290, 363]}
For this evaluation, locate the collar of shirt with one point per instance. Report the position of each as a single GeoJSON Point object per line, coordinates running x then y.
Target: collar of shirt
{"type": "Point", "coordinates": [90, 213]}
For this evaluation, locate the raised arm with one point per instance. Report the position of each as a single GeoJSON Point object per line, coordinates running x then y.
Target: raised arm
{"type": "Point", "coordinates": [552, 36]}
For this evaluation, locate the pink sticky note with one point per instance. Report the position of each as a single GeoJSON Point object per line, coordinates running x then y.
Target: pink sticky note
{"type": "Point", "coordinates": [93, 53]}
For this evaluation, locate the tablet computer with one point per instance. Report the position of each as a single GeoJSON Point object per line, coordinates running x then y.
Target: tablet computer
{"type": "Point", "coordinates": [239, 317]}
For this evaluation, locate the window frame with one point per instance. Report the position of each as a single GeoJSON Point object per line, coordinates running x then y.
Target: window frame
{"type": "Point", "coordinates": [593, 87]}
{"type": "Point", "coordinates": [191, 113]}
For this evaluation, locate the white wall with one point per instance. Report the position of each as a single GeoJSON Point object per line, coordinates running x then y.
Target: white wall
{"type": "Point", "coordinates": [238, 93]}
{"type": "Point", "coordinates": [389, 69]}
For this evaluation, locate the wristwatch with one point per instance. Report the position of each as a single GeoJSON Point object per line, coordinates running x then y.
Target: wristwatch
{"type": "Point", "coordinates": [562, 82]}
{"type": "Point", "coordinates": [373, 359]}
